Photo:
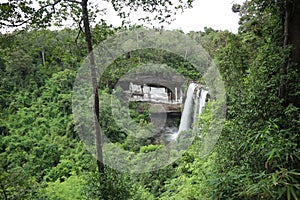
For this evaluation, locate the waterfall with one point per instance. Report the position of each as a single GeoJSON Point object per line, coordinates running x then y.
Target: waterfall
{"type": "Point", "coordinates": [196, 104]}
{"type": "Point", "coordinates": [193, 106]}
{"type": "Point", "coordinates": [202, 100]}
{"type": "Point", "coordinates": [185, 121]}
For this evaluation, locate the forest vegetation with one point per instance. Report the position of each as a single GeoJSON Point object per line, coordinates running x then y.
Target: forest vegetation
{"type": "Point", "coordinates": [43, 157]}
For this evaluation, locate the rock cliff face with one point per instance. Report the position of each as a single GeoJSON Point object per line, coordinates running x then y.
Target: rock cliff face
{"type": "Point", "coordinates": [172, 109]}
{"type": "Point", "coordinates": [170, 82]}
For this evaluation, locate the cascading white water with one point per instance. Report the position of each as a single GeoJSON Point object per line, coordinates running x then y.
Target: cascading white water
{"type": "Point", "coordinates": [192, 108]}
{"type": "Point", "coordinates": [196, 104]}
{"type": "Point", "coordinates": [186, 118]}
{"type": "Point", "coordinates": [202, 100]}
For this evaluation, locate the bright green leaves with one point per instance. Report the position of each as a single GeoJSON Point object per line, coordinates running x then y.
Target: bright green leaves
{"type": "Point", "coordinates": [70, 188]}
{"type": "Point", "coordinates": [108, 185]}
{"type": "Point", "coordinates": [39, 138]}
{"type": "Point", "coordinates": [258, 151]}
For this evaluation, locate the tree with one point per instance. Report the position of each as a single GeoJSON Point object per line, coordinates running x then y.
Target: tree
{"type": "Point", "coordinates": [287, 15]}
{"type": "Point", "coordinates": [292, 37]}
{"type": "Point", "coordinates": [19, 13]}
{"type": "Point", "coordinates": [258, 152]}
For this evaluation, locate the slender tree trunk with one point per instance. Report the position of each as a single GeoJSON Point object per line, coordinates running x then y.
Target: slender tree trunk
{"type": "Point", "coordinates": [284, 70]}
{"type": "Point", "coordinates": [43, 56]}
{"type": "Point", "coordinates": [286, 23]}
{"type": "Point", "coordinates": [88, 39]}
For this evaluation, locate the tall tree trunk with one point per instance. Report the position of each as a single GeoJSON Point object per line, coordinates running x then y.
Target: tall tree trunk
{"type": "Point", "coordinates": [88, 39]}
{"type": "Point", "coordinates": [292, 37]}
{"type": "Point", "coordinates": [294, 31]}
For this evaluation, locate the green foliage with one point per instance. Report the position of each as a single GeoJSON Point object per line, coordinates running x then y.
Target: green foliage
{"type": "Point", "coordinates": [70, 188]}
{"type": "Point", "coordinates": [41, 156]}
{"type": "Point", "coordinates": [108, 185]}
{"type": "Point", "coordinates": [211, 40]}
{"type": "Point", "coordinates": [258, 149]}
{"type": "Point", "coordinates": [33, 148]}
{"type": "Point", "coordinates": [149, 148]}
{"type": "Point", "coordinates": [153, 62]}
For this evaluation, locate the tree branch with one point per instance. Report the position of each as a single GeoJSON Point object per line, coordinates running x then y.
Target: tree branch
{"type": "Point", "coordinates": [80, 31]}
{"type": "Point", "coordinates": [33, 16]}
{"type": "Point", "coordinates": [13, 25]}
{"type": "Point", "coordinates": [74, 1]}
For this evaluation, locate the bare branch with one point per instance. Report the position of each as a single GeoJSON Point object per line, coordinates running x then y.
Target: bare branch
{"type": "Point", "coordinates": [80, 31]}
{"type": "Point", "coordinates": [74, 1]}
{"type": "Point", "coordinates": [13, 24]}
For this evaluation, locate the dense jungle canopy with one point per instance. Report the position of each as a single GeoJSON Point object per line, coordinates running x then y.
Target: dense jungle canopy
{"type": "Point", "coordinates": [42, 156]}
